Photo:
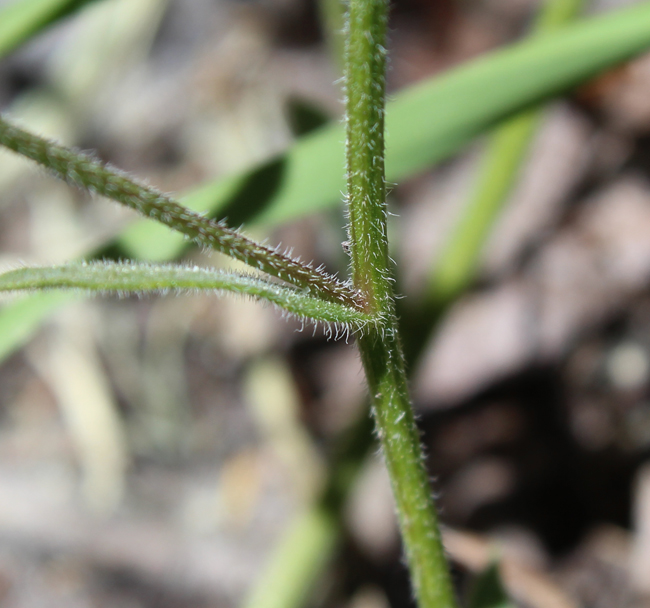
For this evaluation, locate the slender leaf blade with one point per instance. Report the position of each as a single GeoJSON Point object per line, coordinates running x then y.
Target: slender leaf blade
{"type": "Point", "coordinates": [125, 278]}
{"type": "Point", "coordinates": [88, 173]}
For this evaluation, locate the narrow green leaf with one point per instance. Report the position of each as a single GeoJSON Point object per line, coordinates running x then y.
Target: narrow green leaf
{"type": "Point", "coordinates": [22, 19]}
{"type": "Point", "coordinates": [125, 278]}
{"type": "Point", "coordinates": [90, 174]}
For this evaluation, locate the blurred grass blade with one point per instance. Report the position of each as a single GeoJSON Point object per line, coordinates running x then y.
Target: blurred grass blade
{"type": "Point", "coordinates": [504, 156]}
{"type": "Point", "coordinates": [555, 14]}
{"type": "Point", "coordinates": [21, 318]}
{"type": "Point", "coordinates": [304, 550]}
{"type": "Point", "coordinates": [310, 539]}
{"type": "Point", "coordinates": [127, 278]}
{"type": "Point", "coordinates": [488, 591]}
{"type": "Point", "coordinates": [425, 123]}
{"type": "Point", "coordinates": [332, 20]}
{"type": "Point", "coordinates": [22, 19]}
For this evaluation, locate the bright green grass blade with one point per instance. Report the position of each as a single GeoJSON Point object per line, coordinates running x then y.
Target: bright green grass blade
{"type": "Point", "coordinates": [22, 19]}
{"type": "Point", "coordinates": [127, 278]}
{"type": "Point", "coordinates": [425, 124]}
{"type": "Point", "coordinates": [504, 156]}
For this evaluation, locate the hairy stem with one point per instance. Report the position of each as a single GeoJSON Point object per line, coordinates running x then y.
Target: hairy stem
{"type": "Point", "coordinates": [365, 82]}
{"type": "Point", "coordinates": [90, 174]}
{"type": "Point", "coordinates": [380, 347]}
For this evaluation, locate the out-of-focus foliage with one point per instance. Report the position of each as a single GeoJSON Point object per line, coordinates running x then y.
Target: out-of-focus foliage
{"type": "Point", "coordinates": [23, 19]}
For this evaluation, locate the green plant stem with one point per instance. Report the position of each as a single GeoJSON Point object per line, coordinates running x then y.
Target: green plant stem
{"type": "Point", "coordinates": [380, 348]}
{"type": "Point", "coordinates": [366, 188]}
{"type": "Point", "coordinates": [384, 365]}
{"type": "Point", "coordinates": [90, 174]}
{"type": "Point", "coordinates": [312, 546]}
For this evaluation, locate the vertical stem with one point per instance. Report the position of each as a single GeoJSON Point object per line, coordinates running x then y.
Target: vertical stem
{"type": "Point", "coordinates": [365, 88]}
{"type": "Point", "coordinates": [384, 364]}
{"type": "Point", "coordinates": [380, 348]}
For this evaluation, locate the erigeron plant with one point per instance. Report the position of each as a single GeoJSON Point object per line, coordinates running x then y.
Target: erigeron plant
{"type": "Point", "coordinates": [362, 306]}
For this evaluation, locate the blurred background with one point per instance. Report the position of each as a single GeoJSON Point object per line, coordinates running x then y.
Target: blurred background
{"type": "Point", "coordinates": [154, 451]}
